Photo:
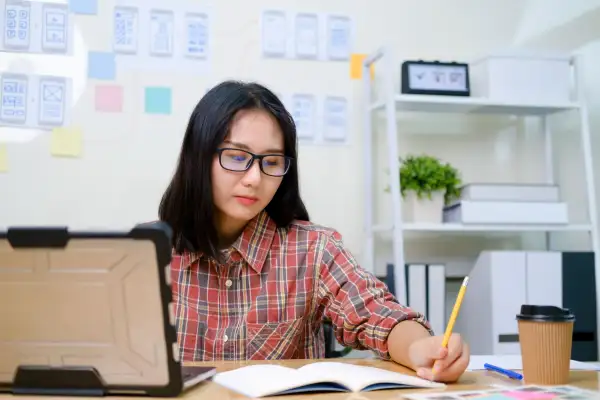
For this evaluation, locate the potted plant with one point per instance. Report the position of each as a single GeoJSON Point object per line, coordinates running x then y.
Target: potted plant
{"type": "Point", "coordinates": [427, 184]}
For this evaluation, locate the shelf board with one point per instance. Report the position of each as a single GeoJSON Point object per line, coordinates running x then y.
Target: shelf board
{"type": "Point", "coordinates": [423, 227]}
{"type": "Point", "coordinates": [460, 229]}
{"type": "Point", "coordinates": [470, 105]}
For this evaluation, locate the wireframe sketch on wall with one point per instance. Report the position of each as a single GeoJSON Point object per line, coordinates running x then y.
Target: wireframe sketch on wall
{"type": "Point", "coordinates": [305, 35]}
{"type": "Point", "coordinates": [335, 119]}
{"type": "Point", "coordinates": [320, 120]}
{"type": "Point", "coordinates": [34, 101]}
{"type": "Point", "coordinates": [274, 34]}
{"type": "Point", "coordinates": [303, 111]}
{"type": "Point", "coordinates": [339, 34]}
{"type": "Point", "coordinates": [146, 37]}
{"type": "Point", "coordinates": [162, 30]}
{"type": "Point", "coordinates": [36, 27]}
{"type": "Point", "coordinates": [125, 30]}
{"type": "Point", "coordinates": [196, 30]}
{"type": "Point", "coordinates": [52, 101]}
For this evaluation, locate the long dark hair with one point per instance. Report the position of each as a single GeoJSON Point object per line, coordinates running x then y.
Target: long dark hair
{"type": "Point", "coordinates": [187, 204]}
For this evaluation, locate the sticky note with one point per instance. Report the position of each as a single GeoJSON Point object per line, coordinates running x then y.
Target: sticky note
{"type": "Point", "coordinates": [101, 65]}
{"type": "Point", "coordinates": [66, 142]}
{"type": "Point", "coordinates": [524, 395]}
{"type": "Point", "coordinates": [356, 66]}
{"type": "Point", "coordinates": [86, 7]}
{"type": "Point", "coordinates": [109, 98]}
{"type": "Point", "coordinates": [3, 159]}
{"type": "Point", "coordinates": [158, 100]}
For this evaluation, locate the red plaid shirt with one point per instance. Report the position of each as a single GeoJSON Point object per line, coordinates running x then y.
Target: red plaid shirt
{"type": "Point", "coordinates": [269, 298]}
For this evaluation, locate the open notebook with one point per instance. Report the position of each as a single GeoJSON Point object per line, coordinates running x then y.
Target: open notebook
{"type": "Point", "coordinates": [269, 379]}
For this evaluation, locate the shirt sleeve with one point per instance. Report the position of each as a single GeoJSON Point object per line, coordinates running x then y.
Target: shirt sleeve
{"type": "Point", "coordinates": [360, 306]}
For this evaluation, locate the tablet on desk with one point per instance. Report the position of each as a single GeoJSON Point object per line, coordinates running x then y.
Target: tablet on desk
{"type": "Point", "coordinates": [86, 313]}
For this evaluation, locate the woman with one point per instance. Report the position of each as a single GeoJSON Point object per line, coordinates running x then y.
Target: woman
{"type": "Point", "coordinates": [253, 277]}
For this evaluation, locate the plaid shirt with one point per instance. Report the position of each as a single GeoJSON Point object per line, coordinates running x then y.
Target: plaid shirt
{"type": "Point", "coordinates": [269, 298]}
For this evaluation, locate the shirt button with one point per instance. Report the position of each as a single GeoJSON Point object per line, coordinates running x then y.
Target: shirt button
{"type": "Point", "coordinates": [228, 283]}
{"type": "Point", "coordinates": [225, 338]}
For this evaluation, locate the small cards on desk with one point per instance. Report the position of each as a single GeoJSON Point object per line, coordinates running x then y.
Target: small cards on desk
{"type": "Point", "coordinates": [529, 392]}
{"type": "Point", "coordinates": [269, 379]}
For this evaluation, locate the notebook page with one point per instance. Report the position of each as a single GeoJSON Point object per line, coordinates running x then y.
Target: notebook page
{"type": "Point", "coordinates": [357, 377]}
{"type": "Point", "coordinates": [260, 380]}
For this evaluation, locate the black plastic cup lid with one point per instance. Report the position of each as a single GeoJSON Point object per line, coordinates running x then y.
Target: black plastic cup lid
{"type": "Point", "coordinates": [545, 314]}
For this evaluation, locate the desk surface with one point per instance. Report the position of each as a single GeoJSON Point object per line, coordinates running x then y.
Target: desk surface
{"type": "Point", "coordinates": [469, 381]}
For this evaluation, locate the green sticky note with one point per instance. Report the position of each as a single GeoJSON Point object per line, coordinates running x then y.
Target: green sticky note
{"type": "Point", "coordinates": [158, 100]}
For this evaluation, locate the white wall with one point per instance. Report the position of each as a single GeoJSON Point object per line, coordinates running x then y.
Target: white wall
{"type": "Point", "coordinates": [129, 157]}
{"type": "Point", "coordinates": [541, 16]}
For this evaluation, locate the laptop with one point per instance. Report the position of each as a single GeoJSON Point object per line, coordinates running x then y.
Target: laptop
{"type": "Point", "coordinates": [90, 313]}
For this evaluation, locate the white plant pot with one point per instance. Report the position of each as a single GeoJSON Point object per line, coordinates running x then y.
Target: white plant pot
{"type": "Point", "coordinates": [423, 210]}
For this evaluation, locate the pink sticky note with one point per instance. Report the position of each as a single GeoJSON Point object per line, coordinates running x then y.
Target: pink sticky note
{"type": "Point", "coordinates": [109, 98]}
{"type": "Point", "coordinates": [524, 395]}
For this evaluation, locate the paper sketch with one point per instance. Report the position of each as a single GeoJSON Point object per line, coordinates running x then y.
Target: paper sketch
{"type": "Point", "coordinates": [306, 35]}
{"type": "Point", "coordinates": [335, 119]}
{"type": "Point", "coordinates": [274, 34]}
{"type": "Point", "coordinates": [125, 30]}
{"type": "Point", "coordinates": [339, 35]}
{"type": "Point", "coordinates": [55, 28]}
{"type": "Point", "coordinates": [303, 108]}
{"type": "Point", "coordinates": [52, 101]}
{"type": "Point", "coordinates": [528, 392]}
{"type": "Point", "coordinates": [13, 107]}
{"type": "Point", "coordinates": [197, 35]}
{"type": "Point", "coordinates": [17, 25]}
{"type": "Point", "coordinates": [162, 29]}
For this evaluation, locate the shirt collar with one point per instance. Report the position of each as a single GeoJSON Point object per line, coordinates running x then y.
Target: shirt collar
{"type": "Point", "coordinates": [255, 241]}
{"type": "Point", "coordinates": [253, 244]}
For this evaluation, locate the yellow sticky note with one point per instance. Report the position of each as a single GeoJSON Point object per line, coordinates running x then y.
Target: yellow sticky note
{"type": "Point", "coordinates": [66, 142]}
{"type": "Point", "coordinates": [356, 66]}
{"type": "Point", "coordinates": [3, 158]}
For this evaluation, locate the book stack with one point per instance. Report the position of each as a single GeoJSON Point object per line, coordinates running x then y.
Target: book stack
{"type": "Point", "coordinates": [486, 203]}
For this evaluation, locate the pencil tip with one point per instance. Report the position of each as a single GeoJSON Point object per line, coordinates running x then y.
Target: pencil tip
{"type": "Point", "coordinates": [466, 281]}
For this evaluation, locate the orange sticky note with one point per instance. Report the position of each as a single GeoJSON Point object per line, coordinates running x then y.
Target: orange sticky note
{"type": "Point", "coordinates": [356, 66]}
{"type": "Point", "coordinates": [66, 142]}
{"type": "Point", "coordinates": [3, 159]}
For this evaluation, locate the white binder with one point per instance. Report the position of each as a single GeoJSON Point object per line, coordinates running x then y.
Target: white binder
{"type": "Point", "coordinates": [426, 289]}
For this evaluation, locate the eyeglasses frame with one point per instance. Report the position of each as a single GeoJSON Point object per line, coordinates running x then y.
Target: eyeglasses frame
{"type": "Point", "coordinates": [258, 157]}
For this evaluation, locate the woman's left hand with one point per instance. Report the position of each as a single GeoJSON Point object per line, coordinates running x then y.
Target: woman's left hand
{"type": "Point", "coordinates": [436, 363]}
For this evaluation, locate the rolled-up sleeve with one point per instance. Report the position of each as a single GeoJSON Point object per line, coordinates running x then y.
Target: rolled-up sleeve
{"type": "Point", "coordinates": [360, 307]}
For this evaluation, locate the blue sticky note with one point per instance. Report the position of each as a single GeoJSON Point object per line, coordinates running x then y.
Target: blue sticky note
{"type": "Point", "coordinates": [102, 66]}
{"type": "Point", "coordinates": [86, 7]}
{"type": "Point", "coordinates": [158, 100]}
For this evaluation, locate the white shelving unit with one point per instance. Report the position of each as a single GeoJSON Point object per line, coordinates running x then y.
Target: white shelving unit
{"type": "Point", "coordinates": [394, 102]}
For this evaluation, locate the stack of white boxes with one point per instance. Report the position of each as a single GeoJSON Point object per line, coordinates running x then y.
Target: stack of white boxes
{"type": "Point", "coordinates": [500, 282]}
{"type": "Point", "coordinates": [530, 204]}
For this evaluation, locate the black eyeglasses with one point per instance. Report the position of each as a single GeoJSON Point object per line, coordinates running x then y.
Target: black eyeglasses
{"type": "Point", "coordinates": [241, 160]}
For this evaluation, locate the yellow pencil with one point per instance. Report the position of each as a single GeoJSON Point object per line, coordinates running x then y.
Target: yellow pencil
{"type": "Point", "coordinates": [454, 315]}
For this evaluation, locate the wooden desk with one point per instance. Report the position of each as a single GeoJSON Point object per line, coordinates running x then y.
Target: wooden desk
{"type": "Point", "coordinates": [469, 381]}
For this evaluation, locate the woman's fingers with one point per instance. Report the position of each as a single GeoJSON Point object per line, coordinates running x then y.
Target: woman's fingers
{"type": "Point", "coordinates": [455, 349]}
{"type": "Point", "coordinates": [452, 372]}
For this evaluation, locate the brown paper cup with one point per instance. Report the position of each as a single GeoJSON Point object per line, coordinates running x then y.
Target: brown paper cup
{"type": "Point", "coordinates": [546, 350]}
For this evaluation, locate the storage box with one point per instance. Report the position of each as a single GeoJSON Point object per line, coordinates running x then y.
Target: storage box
{"type": "Point", "coordinates": [506, 212]}
{"type": "Point", "coordinates": [510, 192]}
{"type": "Point", "coordinates": [522, 79]}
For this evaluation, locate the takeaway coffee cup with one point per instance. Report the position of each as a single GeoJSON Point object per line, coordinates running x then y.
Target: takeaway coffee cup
{"type": "Point", "coordinates": [546, 338]}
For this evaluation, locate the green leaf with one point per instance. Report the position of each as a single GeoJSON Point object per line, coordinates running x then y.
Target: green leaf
{"type": "Point", "coordinates": [425, 175]}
